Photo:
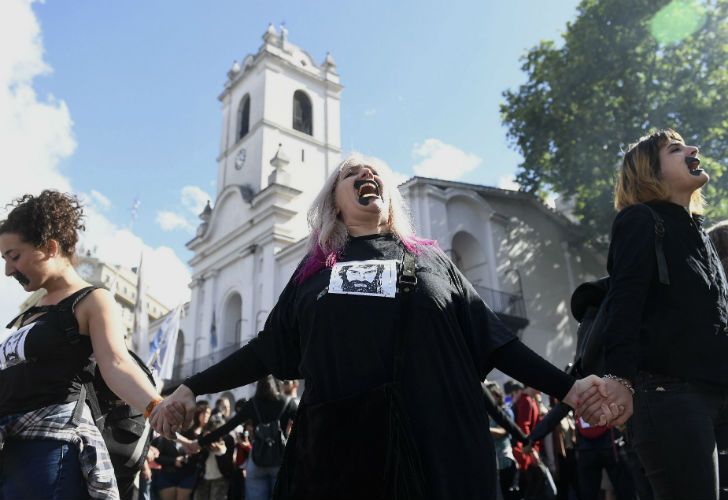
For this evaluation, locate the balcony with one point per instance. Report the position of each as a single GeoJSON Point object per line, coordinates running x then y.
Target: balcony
{"type": "Point", "coordinates": [510, 307]}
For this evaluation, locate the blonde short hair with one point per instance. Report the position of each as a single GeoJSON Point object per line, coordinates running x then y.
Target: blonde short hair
{"type": "Point", "coordinates": [639, 180]}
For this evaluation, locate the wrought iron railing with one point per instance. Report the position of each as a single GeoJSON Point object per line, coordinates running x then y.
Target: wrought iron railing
{"type": "Point", "coordinates": [503, 302]}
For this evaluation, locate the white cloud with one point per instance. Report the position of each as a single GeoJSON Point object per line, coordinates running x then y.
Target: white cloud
{"type": "Point", "coordinates": [171, 221]}
{"type": "Point", "coordinates": [35, 134]}
{"type": "Point", "coordinates": [194, 199]}
{"type": "Point", "coordinates": [443, 161]}
{"type": "Point", "coordinates": [100, 200]}
{"type": "Point", "coordinates": [508, 182]}
{"type": "Point", "coordinates": [167, 276]}
{"type": "Point", "coordinates": [399, 177]}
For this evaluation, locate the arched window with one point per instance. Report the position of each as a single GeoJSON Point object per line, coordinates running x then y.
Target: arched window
{"type": "Point", "coordinates": [302, 115]}
{"type": "Point", "coordinates": [244, 117]}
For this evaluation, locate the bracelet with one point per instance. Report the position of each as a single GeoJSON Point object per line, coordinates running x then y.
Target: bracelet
{"type": "Point", "coordinates": [152, 404]}
{"type": "Point", "coordinates": [626, 383]}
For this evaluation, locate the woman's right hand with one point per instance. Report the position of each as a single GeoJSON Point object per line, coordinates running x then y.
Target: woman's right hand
{"type": "Point", "coordinates": [174, 413]}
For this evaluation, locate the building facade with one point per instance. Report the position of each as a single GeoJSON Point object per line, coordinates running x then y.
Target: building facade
{"type": "Point", "coordinates": [280, 139]}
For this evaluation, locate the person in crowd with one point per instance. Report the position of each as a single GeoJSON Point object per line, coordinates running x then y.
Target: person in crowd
{"type": "Point", "coordinates": [178, 477]}
{"type": "Point", "coordinates": [719, 236]}
{"type": "Point", "coordinates": [526, 411]}
{"type": "Point", "coordinates": [222, 405]}
{"type": "Point", "coordinates": [597, 450]}
{"type": "Point", "coordinates": [563, 439]}
{"type": "Point", "coordinates": [145, 475]}
{"type": "Point", "coordinates": [667, 325]}
{"type": "Point", "coordinates": [175, 480]}
{"type": "Point", "coordinates": [289, 388]}
{"type": "Point", "coordinates": [216, 464]}
{"type": "Point", "coordinates": [506, 462]}
{"type": "Point", "coordinates": [267, 405]}
{"type": "Point", "coordinates": [384, 364]}
{"type": "Point", "coordinates": [48, 438]}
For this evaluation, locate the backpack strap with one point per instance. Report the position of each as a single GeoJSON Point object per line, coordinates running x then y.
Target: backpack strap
{"type": "Point", "coordinates": [659, 251]}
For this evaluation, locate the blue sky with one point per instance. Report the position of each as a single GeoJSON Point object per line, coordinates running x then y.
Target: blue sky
{"type": "Point", "coordinates": [117, 101]}
{"type": "Point", "coordinates": [141, 80]}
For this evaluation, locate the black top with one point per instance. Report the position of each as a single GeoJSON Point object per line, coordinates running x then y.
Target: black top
{"type": "Point", "coordinates": [680, 329]}
{"type": "Point", "coordinates": [343, 345]}
{"type": "Point", "coordinates": [38, 364]}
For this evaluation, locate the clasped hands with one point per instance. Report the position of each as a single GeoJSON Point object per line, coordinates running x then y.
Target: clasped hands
{"type": "Point", "coordinates": [600, 401]}
{"type": "Point", "coordinates": [174, 413]}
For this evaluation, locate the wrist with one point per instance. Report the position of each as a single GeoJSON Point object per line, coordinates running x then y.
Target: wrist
{"type": "Point", "coordinates": [622, 381]}
{"type": "Point", "coordinates": [150, 407]}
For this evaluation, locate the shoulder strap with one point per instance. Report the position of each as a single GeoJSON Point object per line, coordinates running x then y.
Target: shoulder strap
{"type": "Point", "coordinates": [283, 410]}
{"type": "Point", "coordinates": [406, 284]}
{"type": "Point", "coordinates": [659, 252]}
{"type": "Point", "coordinates": [63, 305]}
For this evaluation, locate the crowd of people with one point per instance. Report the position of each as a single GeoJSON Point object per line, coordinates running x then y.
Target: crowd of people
{"type": "Point", "coordinates": [214, 459]}
{"type": "Point", "coordinates": [393, 344]}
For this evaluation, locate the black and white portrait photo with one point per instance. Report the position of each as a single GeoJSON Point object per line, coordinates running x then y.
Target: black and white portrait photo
{"type": "Point", "coordinates": [369, 277]}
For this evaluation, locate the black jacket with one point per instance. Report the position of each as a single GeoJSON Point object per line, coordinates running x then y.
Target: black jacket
{"type": "Point", "coordinates": [680, 329]}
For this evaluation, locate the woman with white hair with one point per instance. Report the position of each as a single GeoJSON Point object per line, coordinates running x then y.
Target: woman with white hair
{"type": "Point", "coordinates": [392, 342]}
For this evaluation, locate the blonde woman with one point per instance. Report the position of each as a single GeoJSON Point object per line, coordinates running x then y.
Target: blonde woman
{"type": "Point", "coordinates": [667, 343]}
{"type": "Point", "coordinates": [392, 342]}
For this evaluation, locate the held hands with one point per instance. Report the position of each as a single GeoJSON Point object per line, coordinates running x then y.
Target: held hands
{"type": "Point", "coordinates": [174, 413]}
{"type": "Point", "coordinates": [600, 401]}
{"type": "Point", "coordinates": [617, 400]}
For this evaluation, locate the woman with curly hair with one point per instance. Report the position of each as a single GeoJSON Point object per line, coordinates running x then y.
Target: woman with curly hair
{"type": "Point", "coordinates": [51, 447]}
{"type": "Point", "coordinates": [392, 342]}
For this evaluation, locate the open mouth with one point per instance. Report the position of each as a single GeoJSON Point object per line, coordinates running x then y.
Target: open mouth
{"type": "Point", "coordinates": [367, 190]}
{"type": "Point", "coordinates": [22, 279]}
{"type": "Point", "coordinates": [693, 165]}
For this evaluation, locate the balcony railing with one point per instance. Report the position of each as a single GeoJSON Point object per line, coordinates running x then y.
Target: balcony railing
{"type": "Point", "coordinates": [505, 304]}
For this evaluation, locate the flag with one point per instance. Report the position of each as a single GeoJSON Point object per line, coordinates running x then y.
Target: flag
{"type": "Point", "coordinates": [213, 333]}
{"type": "Point", "coordinates": [163, 345]}
{"type": "Point", "coordinates": [140, 337]}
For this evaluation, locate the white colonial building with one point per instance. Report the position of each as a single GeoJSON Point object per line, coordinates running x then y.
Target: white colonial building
{"type": "Point", "coordinates": [280, 139]}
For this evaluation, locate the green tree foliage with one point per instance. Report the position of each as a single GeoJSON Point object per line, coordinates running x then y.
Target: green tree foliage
{"type": "Point", "coordinates": [625, 67]}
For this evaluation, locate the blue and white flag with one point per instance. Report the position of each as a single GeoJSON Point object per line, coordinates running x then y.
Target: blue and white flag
{"type": "Point", "coordinates": [163, 344]}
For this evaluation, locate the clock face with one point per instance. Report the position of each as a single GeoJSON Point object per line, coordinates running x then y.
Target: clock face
{"type": "Point", "coordinates": [240, 159]}
{"type": "Point", "coordinates": [85, 270]}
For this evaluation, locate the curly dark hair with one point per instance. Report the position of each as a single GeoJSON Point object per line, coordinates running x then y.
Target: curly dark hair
{"type": "Point", "coordinates": [51, 215]}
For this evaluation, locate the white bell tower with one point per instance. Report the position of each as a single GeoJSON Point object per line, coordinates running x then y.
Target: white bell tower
{"type": "Point", "coordinates": [280, 140]}
{"type": "Point", "coordinates": [279, 104]}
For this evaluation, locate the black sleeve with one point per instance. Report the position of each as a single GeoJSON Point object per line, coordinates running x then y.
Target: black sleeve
{"type": "Point", "coordinates": [631, 267]}
{"type": "Point", "coordinates": [221, 431]}
{"type": "Point", "coordinates": [502, 418]}
{"type": "Point", "coordinates": [521, 363]}
{"type": "Point", "coordinates": [240, 368]}
{"type": "Point", "coordinates": [274, 350]}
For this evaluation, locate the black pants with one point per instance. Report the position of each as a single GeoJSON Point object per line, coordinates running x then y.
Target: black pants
{"type": "Point", "coordinates": [680, 433]}
{"type": "Point", "coordinates": [590, 463]}
{"type": "Point", "coordinates": [508, 479]}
